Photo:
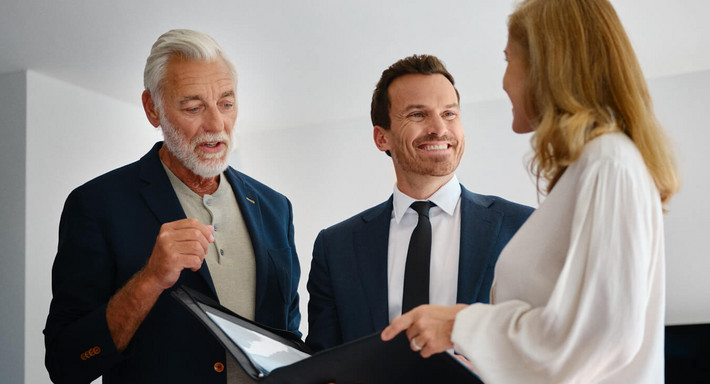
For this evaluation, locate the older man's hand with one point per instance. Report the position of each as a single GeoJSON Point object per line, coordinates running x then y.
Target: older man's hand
{"type": "Point", "coordinates": [180, 244]}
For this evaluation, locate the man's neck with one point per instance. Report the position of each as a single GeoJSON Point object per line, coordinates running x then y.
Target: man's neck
{"type": "Point", "coordinates": [421, 187]}
{"type": "Point", "coordinates": [198, 184]}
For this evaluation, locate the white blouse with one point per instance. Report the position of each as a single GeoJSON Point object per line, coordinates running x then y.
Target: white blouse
{"type": "Point", "coordinates": [579, 292]}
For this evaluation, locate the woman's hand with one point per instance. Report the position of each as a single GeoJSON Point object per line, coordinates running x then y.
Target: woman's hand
{"type": "Point", "coordinates": [428, 328]}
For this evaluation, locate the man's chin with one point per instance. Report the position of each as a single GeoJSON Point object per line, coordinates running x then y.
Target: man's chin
{"type": "Point", "coordinates": [209, 169]}
{"type": "Point", "coordinates": [208, 173]}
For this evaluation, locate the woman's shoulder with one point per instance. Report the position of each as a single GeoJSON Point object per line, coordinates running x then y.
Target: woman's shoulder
{"type": "Point", "coordinates": [612, 156]}
{"type": "Point", "coordinates": [610, 145]}
{"type": "Point", "coordinates": [614, 148]}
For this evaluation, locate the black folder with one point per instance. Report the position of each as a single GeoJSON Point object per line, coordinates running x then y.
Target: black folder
{"type": "Point", "coordinates": [368, 360]}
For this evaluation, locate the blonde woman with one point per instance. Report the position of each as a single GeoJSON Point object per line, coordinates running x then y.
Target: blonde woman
{"type": "Point", "coordinates": [579, 295]}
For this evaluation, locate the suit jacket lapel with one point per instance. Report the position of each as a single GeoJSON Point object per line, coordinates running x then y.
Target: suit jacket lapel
{"type": "Point", "coordinates": [160, 197]}
{"type": "Point", "coordinates": [479, 231]}
{"type": "Point", "coordinates": [371, 244]}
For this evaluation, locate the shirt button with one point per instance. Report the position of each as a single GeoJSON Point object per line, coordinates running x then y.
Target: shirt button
{"type": "Point", "coordinates": [215, 227]}
{"type": "Point", "coordinates": [221, 252]}
{"type": "Point", "coordinates": [219, 367]}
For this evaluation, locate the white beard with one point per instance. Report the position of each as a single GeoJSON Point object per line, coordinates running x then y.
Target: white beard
{"type": "Point", "coordinates": [207, 165]}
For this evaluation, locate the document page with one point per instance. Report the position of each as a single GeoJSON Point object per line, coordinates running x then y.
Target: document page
{"type": "Point", "coordinates": [265, 353]}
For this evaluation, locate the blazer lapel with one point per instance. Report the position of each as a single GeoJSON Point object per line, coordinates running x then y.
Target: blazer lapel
{"type": "Point", "coordinates": [160, 197]}
{"type": "Point", "coordinates": [479, 230]}
{"type": "Point", "coordinates": [371, 244]}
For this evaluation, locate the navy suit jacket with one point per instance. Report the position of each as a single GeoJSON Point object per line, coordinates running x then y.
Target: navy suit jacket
{"type": "Point", "coordinates": [348, 278]}
{"type": "Point", "coordinates": [107, 232]}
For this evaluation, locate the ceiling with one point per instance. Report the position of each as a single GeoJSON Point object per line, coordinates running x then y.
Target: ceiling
{"type": "Point", "coordinates": [306, 62]}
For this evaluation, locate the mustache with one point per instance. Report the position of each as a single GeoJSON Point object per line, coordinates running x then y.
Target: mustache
{"type": "Point", "coordinates": [429, 138]}
{"type": "Point", "coordinates": [212, 137]}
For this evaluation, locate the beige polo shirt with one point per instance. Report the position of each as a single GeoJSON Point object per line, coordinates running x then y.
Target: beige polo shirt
{"type": "Point", "coordinates": [230, 257]}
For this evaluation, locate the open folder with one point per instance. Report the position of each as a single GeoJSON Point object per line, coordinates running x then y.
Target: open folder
{"type": "Point", "coordinates": [275, 356]}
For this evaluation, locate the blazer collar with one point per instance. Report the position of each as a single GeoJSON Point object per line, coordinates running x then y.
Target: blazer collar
{"type": "Point", "coordinates": [371, 244]}
{"type": "Point", "coordinates": [157, 191]}
{"type": "Point", "coordinates": [480, 226]}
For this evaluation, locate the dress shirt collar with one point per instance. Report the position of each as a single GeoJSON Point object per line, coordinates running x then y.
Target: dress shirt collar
{"type": "Point", "coordinates": [445, 198]}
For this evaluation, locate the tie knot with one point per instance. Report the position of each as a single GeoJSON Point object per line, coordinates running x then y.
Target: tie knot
{"type": "Point", "coordinates": [422, 207]}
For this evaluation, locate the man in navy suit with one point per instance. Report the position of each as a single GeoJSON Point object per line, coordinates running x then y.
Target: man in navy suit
{"type": "Point", "coordinates": [178, 216]}
{"type": "Point", "coordinates": [358, 268]}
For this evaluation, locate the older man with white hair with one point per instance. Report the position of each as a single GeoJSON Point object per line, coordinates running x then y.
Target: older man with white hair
{"type": "Point", "coordinates": [178, 216]}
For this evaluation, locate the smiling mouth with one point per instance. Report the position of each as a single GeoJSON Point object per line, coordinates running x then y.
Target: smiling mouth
{"type": "Point", "coordinates": [434, 147]}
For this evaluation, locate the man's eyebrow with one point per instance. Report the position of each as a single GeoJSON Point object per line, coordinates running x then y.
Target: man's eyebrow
{"type": "Point", "coordinates": [421, 106]}
{"type": "Point", "coordinates": [414, 106]}
{"type": "Point", "coordinates": [187, 99]}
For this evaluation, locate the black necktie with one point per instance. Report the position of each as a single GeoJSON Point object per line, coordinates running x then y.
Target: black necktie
{"type": "Point", "coordinates": [416, 270]}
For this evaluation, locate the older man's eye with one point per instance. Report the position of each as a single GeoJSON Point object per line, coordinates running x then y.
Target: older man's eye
{"type": "Point", "coordinates": [194, 109]}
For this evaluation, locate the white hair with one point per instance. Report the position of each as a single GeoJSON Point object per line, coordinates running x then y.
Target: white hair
{"type": "Point", "coordinates": [184, 43]}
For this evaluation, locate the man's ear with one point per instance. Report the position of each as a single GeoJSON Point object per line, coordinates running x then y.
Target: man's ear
{"type": "Point", "coordinates": [149, 107]}
{"type": "Point", "coordinates": [379, 134]}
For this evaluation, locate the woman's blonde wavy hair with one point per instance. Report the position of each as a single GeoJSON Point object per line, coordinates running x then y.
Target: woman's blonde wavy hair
{"type": "Point", "coordinates": [584, 80]}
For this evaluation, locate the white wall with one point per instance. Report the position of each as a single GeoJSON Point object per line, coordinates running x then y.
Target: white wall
{"type": "Point", "coordinates": [329, 171]}
{"type": "Point", "coordinates": [681, 102]}
{"type": "Point", "coordinates": [73, 135]}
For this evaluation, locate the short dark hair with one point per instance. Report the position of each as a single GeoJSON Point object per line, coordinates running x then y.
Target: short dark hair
{"type": "Point", "coordinates": [415, 64]}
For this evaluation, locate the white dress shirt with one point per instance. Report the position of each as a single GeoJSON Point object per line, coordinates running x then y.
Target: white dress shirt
{"type": "Point", "coordinates": [445, 220]}
{"type": "Point", "coordinates": [579, 291]}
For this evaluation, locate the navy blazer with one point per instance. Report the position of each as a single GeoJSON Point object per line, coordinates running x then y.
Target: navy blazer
{"type": "Point", "coordinates": [107, 233]}
{"type": "Point", "coordinates": [348, 278]}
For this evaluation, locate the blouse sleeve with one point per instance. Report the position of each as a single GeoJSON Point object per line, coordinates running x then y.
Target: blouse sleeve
{"type": "Point", "coordinates": [593, 322]}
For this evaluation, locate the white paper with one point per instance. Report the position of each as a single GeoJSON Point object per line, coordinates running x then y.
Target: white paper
{"type": "Point", "coordinates": [266, 354]}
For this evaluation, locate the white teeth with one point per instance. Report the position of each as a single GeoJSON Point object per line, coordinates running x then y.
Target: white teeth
{"type": "Point", "coordinates": [211, 145]}
{"type": "Point", "coordinates": [435, 147]}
